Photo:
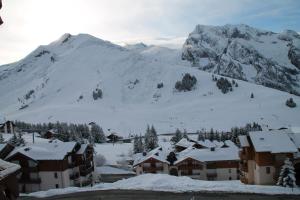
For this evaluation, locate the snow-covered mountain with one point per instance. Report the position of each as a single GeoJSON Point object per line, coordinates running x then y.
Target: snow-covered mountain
{"type": "Point", "coordinates": [57, 82]}
{"type": "Point", "coordinates": [247, 53]}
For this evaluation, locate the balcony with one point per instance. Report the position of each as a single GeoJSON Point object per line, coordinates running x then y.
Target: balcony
{"type": "Point", "coordinates": [30, 180]}
{"type": "Point", "coordinates": [153, 168]}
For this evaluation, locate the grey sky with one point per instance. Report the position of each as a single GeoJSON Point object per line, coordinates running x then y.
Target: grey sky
{"type": "Point", "coordinates": [29, 23]}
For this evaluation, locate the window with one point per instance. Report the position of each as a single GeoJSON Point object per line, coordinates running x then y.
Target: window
{"type": "Point", "coordinates": [268, 170]}
{"type": "Point", "coordinates": [55, 175]}
{"type": "Point", "coordinates": [32, 163]}
{"type": "Point", "coordinates": [146, 165]}
{"type": "Point", "coordinates": [159, 164]}
{"type": "Point", "coordinates": [230, 178]}
{"type": "Point", "coordinates": [229, 170]}
{"type": "Point", "coordinates": [56, 186]}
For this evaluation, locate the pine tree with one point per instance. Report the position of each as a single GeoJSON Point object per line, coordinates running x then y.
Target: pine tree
{"type": "Point", "coordinates": [287, 175]}
{"type": "Point", "coordinates": [97, 134]}
{"type": "Point", "coordinates": [185, 134]}
{"type": "Point", "coordinates": [200, 136]}
{"type": "Point", "coordinates": [138, 146]}
{"type": "Point", "coordinates": [177, 137]}
{"type": "Point", "coordinates": [151, 139]}
{"type": "Point", "coordinates": [135, 144]}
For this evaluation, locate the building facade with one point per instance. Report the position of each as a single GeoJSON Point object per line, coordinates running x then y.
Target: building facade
{"type": "Point", "coordinates": [53, 165]}
{"type": "Point", "coordinates": [8, 180]}
{"type": "Point", "coordinates": [262, 155]}
{"type": "Point", "coordinates": [215, 163]}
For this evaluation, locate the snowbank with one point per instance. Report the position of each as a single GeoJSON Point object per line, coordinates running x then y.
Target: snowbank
{"type": "Point", "coordinates": [163, 182]}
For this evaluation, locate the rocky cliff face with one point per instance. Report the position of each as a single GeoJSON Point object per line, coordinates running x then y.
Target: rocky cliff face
{"type": "Point", "coordinates": [247, 53]}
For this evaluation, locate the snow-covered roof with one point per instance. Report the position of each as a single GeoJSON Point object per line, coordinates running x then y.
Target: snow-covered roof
{"type": "Point", "coordinates": [184, 143]}
{"type": "Point", "coordinates": [2, 146]}
{"type": "Point", "coordinates": [218, 143]}
{"type": "Point", "coordinates": [206, 143]}
{"type": "Point", "coordinates": [82, 148]}
{"type": "Point", "coordinates": [243, 141]}
{"type": "Point", "coordinates": [159, 153]}
{"type": "Point", "coordinates": [112, 170]}
{"type": "Point", "coordinates": [207, 155]}
{"type": "Point", "coordinates": [295, 137]}
{"type": "Point", "coordinates": [274, 141]}
{"type": "Point", "coordinates": [45, 151]}
{"type": "Point", "coordinates": [7, 168]}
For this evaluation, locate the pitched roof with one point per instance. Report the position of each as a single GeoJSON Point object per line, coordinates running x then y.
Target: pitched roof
{"type": "Point", "coordinates": [184, 143]}
{"type": "Point", "coordinates": [7, 168]}
{"type": "Point", "coordinates": [207, 155]}
{"type": "Point", "coordinates": [206, 143]}
{"type": "Point", "coordinates": [159, 153]}
{"type": "Point", "coordinates": [274, 141]}
{"type": "Point", "coordinates": [45, 151]}
{"type": "Point", "coordinates": [243, 141]}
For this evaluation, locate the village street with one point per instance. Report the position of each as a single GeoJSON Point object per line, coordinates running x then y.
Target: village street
{"type": "Point", "coordinates": [147, 195]}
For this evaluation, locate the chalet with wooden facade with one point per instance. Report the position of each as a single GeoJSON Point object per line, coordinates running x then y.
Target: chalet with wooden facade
{"type": "Point", "coordinates": [8, 180]}
{"type": "Point", "coordinates": [263, 153]}
{"type": "Point", "coordinates": [7, 126]}
{"type": "Point", "coordinates": [220, 162]}
{"type": "Point", "coordinates": [50, 134]}
{"type": "Point", "coordinates": [209, 163]}
{"type": "Point", "coordinates": [152, 162]}
{"type": "Point", "coordinates": [53, 165]}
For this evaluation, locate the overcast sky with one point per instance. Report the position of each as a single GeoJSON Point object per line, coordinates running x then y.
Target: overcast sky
{"type": "Point", "coordinates": [29, 23]}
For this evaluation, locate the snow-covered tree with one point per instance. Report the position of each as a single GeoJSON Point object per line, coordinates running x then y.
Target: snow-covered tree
{"type": "Point", "coordinates": [171, 157]}
{"type": "Point", "coordinates": [287, 175]}
{"type": "Point", "coordinates": [98, 134]}
{"type": "Point", "coordinates": [177, 137]}
{"type": "Point", "coordinates": [290, 103]}
{"type": "Point", "coordinates": [185, 134]}
{"type": "Point", "coordinates": [100, 160]}
{"type": "Point", "coordinates": [138, 146]}
{"type": "Point", "coordinates": [151, 138]}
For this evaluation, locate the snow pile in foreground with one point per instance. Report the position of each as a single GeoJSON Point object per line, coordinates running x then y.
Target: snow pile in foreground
{"type": "Point", "coordinates": [163, 182]}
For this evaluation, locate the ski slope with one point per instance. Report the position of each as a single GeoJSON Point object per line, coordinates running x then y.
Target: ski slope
{"type": "Point", "coordinates": [64, 74]}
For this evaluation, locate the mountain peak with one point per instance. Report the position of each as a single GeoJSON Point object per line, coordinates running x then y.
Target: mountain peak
{"type": "Point", "coordinates": [247, 53]}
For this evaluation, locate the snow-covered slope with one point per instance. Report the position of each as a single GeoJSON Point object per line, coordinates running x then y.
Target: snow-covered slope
{"type": "Point", "coordinates": [247, 53]}
{"type": "Point", "coordinates": [56, 82]}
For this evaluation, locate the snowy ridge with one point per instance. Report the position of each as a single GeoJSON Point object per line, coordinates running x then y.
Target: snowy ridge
{"type": "Point", "coordinates": [247, 53]}
{"type": "Point", "coordinates": [56, 82]}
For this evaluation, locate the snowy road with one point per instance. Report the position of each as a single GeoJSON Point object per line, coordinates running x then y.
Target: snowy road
{"type": "Point", "coordinates": [145, 195]}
